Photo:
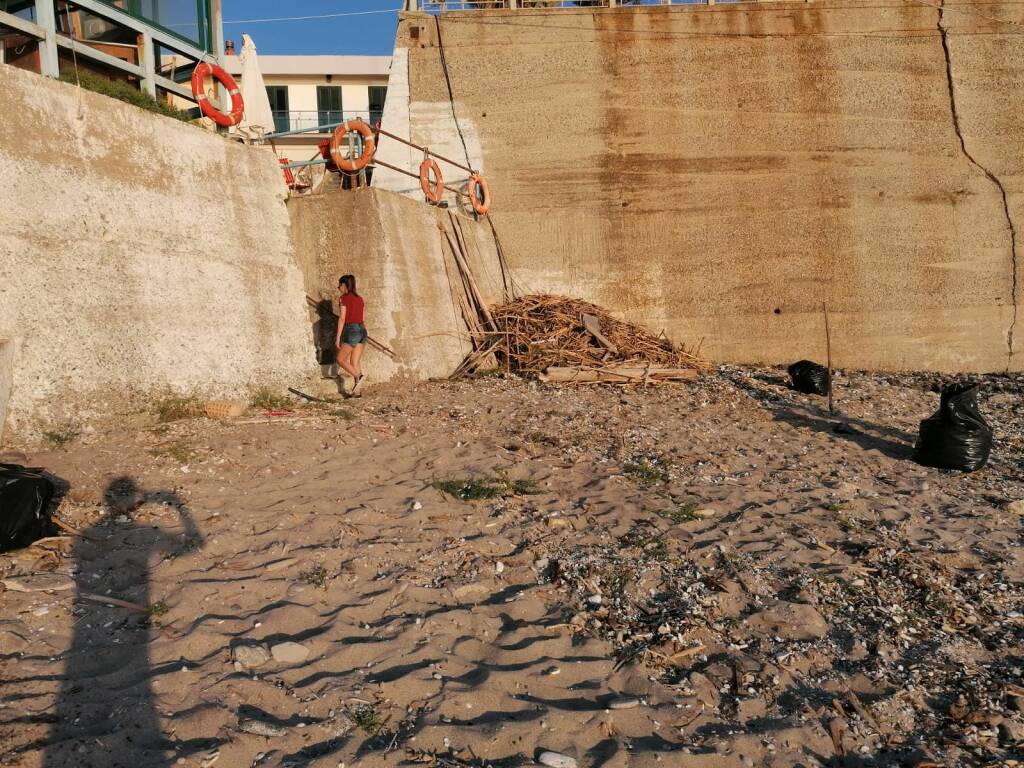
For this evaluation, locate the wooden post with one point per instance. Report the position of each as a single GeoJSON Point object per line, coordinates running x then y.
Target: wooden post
{"type": "Point", "coordinates": [220, 56]}
{"type": "Point", "coordinates": [49, 63]}
{"type": "Point", "coordinates": [828, 354]}
{"type": "Point", "coordinates": [216, 41]}
{"type": "Point", "coordinates": [147, 60]}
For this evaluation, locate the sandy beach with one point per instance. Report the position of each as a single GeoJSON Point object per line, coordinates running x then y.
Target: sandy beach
{"type": "Point", "coordinates": [710, 574]}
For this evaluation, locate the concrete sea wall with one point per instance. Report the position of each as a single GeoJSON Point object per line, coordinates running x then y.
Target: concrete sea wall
{"type": "Point", "coordinates": [405, 270]}
{"type": "Point", "coordinates": [136, 253]}
{"type": "Point", "coordinates": [721, 172]}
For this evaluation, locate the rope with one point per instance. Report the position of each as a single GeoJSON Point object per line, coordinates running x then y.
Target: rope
{"type": "Point", "coordinates": [451, 95]}
{"type": "Point", "coordinates": [306, 18]}
{"type": "Point", "coordinates": [74, 58]}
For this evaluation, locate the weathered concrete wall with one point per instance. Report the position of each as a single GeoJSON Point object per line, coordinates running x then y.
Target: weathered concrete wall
{"type": "Point", "coordinates": [719, 172]}
{"type": "Point", "coordinates": [404, 270]}
{"type": "Point", "coordinates": [6, 378]}
{"type": "Point", "coordinates": [137, 252]}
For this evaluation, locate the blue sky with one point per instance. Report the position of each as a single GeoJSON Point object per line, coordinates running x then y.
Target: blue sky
{"type": "Point", "coordinates": [369, 34]}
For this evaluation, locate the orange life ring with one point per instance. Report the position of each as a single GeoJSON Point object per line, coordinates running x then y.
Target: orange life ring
{"type": "Point", "coordinates": [203, 70]}
{"type": "Point", "coordinates": [434, 194]}
{"type": "Point", "coordinates": [369, 147]}
{"type": "Point", "coordinates": [480, 206]}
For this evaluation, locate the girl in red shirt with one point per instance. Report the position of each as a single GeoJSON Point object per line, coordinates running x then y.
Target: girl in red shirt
{"type": "Point", "coordinates": [351, 337]}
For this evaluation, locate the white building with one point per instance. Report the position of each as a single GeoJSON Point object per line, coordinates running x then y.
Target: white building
{"type": "Point", "coordinates": [307, 91]}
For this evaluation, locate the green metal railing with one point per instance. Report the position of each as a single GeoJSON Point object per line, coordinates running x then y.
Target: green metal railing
{"type": "Point", "coordinates": [136, 8]}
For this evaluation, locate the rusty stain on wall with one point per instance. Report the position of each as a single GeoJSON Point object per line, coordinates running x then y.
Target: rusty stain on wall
{"type": "Point", "coordinates": [719, 172]}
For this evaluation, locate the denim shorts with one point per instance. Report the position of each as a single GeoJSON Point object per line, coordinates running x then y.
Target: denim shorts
{"type": "Point", "coordinates": [353, 333]}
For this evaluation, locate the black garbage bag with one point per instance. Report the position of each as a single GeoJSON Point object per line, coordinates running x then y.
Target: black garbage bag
{"type": "Point", "coordinates": [955, 436]}
{"type": "Point", "coordinates": [25, 496]}
{"type": "Point", "coordinates": [809, 378]}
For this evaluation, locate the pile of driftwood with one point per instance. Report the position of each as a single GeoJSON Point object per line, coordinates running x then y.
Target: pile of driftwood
{"type": "Point", "coordinates": [555, 338]}
{"type": "Point", "coordinates": [560, 339]}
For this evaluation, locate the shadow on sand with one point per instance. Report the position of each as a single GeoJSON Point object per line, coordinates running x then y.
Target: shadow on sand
{"type": "Point", "coordinates": [889, 441]}
{"type": "Point", "coordinates": [106, 712]}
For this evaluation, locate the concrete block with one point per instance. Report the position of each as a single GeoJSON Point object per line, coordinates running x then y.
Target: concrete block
{"type": "Point", "coordinates": [206, 304]}
{"type": "Point", "coordinates": [720, 171]}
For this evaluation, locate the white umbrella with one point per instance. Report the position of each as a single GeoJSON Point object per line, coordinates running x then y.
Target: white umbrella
{"type": "Point", "coordinates": [258, 118]}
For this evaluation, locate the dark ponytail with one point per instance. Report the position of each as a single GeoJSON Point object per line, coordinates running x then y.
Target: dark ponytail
{"type": "Point", "coordinates": [349, 281]}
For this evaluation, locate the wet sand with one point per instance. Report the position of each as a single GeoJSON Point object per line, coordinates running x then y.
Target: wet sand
{"type": "Point", "coordinates": [697, 575]}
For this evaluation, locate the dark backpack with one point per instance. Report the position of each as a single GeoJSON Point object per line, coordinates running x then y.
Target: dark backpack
{"type": "Point", "coordinates": [25, 496]}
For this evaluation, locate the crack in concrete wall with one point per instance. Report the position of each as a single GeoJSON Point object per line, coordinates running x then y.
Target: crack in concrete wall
{"type": "Point", "coordinates": [943, 33]}
{"type": "Point", "coordinates": [716, 199]}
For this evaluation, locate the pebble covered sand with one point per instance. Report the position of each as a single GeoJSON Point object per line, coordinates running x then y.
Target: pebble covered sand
{"type": "Point", "coordinates": [497, 572]}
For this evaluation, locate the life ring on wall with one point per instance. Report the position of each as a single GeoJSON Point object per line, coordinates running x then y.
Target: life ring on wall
{"type": "Point", "coordinates": [435, 193]}
{"type": "Point", "coordinates": [204, 70]}
{"type": "Point", "coordinates": [480, 205]}
{"type": "Point", "coordinates": [351, 165]}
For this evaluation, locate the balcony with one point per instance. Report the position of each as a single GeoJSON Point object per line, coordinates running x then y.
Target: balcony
{"type": "Point", "coordinates": [293, 120]}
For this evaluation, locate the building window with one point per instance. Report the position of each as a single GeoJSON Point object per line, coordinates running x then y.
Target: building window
{"type": "Point", "coordinates": [328, 104]}
{"type": "Point", "coordinates": [378, 93]}
{"type": "Point", "coordinates": [189, 19]}
{"type": "Point", "coordinates": [278, 95]}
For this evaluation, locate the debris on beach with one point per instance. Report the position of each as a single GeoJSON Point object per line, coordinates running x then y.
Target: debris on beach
{"type": "Point", "coordinates": [475, 573]}
{"type": "Point", "coordinates": [562, 339]}
{"type": "Point", "coordinates": [810, 377]}
{"type": "Point", "coordinates": [956, 436]}
{"type": "Point", "coordinates": [25, 496]}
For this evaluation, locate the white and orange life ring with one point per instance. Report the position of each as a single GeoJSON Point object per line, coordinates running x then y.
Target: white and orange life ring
{"type": "Point", "coordinates": [204, 70]}
{"type": "Point", "coordinates": [351, 165]}
{"type": "Point", "coordinates": [481, 202]}
{"type": "Point", "coordinates": [436, 192]}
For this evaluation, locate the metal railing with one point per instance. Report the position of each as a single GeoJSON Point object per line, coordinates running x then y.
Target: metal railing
{"type": "Point", "coordinates": [441, 6]}
{"type": "Point", "coordinates": [475, 183]}
{"type": "Point", "coordinates": [152, 40]}
{"type": "Point", "coordinates": [308, 121]}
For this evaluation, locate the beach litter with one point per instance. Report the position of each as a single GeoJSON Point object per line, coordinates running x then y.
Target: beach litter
{"type": "Point", "coordinates": [560, 339]}
{"type": "Point", "coordinates": [25, 496]}
{"type": "Point", "coordinates": [809, 377]}
{"type": "Point", "coordinates": [956, 436]}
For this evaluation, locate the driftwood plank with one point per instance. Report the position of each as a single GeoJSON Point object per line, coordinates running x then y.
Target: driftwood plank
{"type": "Point", "coordinates": [618, 375]}
{"type": "Point", "coordinates": [593, 326]}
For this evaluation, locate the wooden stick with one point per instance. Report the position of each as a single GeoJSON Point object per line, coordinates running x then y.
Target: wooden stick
{"type": "Point", "coordinates": [460, 241]}
{"type": "Point", "coordinates": [304, 396]}
{"type": "Point", "coordinates": [113, 601]}
{"type": "Point", "coordinates": [593, 326]}
{"type": "Point", "coordinates": [470, 315]}
{"type": "Point", "coordinates": [474, 288]}
{"type": "Point", "coordinates": [71, 529]}
{"type": "Point", "coordinates": [617, 375]}
{"type": "Point", "coordinates": [863, 712]}
{"type": "Point", "coordinates": [828, 353]}
{"type": "Point", "coordinates": [686, 652]}
{"type": "Point", "coordinates": [369, 339]}
{"type": "Point", "coordinates": [835, 730]}
{"type": "Point", "coordinates": [380, 347]}
{"type": "Point", "coordinates": [465, 302]}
